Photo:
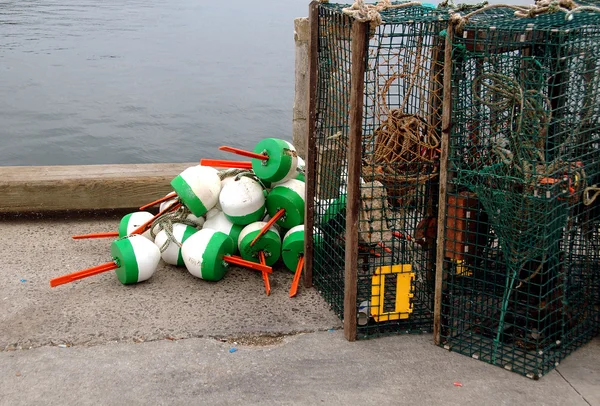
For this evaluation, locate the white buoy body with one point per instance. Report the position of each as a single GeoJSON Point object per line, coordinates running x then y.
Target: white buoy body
{"type": "Point", "coordinates": [167, 203]}
{"type": "Point", "coordinates": [243, 201]}
{"type": "Point", "coordinates": [219, 222]}
{"type": "Point", "coordinates": [130, 222]}
{"type": "Point", "coordinates": [212, 212]}
{"type": "Point", "coordinates": [137, 258]}
{"type": "Point", "coordinates": [224, 182]}
{"type": "Point", "coordinates": [171, 254]}
{"type": "Point", "coordinates": [198, 188]}
{"type": "Point", "coordinates": [203, 254]}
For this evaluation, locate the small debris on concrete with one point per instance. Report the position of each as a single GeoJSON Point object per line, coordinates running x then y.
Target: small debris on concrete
{"type": "Point", "coordinates": [458, 384]}
{"type": "Point", "coordinates": [232, 350]}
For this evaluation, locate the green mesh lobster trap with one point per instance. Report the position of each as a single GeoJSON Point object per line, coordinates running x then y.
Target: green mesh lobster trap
{"type": "Point", "coordinates": [522, 245]}
{"type": "Point", "coordinates": [373, 179]}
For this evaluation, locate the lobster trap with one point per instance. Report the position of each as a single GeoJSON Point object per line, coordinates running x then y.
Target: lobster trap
{"type": "Point", "coordinates": [522, 241]}
{"type": "Point", "coordinates": [373, 180]}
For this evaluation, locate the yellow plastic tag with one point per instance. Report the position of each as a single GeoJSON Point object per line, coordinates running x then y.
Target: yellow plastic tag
{"type": "Point", "coordinates": [404, 292]}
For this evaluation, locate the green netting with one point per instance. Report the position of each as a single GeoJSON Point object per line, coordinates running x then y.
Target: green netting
{"type": "Point", "coordinates": [521, 261]}
{"type": "Point", "coordinates": [400, 165]}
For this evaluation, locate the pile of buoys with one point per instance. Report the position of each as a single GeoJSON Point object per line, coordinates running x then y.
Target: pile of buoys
{"type": "Point", "coordinates": [255, 208]}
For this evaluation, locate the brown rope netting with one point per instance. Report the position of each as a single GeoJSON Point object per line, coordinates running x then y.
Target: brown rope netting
{"type": "Point", "coordinates": [405, 146]}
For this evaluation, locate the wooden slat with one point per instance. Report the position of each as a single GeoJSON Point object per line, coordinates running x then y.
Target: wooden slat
{"type": "Point", "coordinates": [357, 87]}
{"type": "Point", "coordinates": [309, 206]}
{"type": "Point", "coordinates": [84, 187]}
{"type": "Point", "coordinates": [446, 123]}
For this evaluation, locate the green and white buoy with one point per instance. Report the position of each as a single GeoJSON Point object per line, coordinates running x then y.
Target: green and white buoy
{"type": "Point", "coordinates": [130, 222]}
{"type": "Point", "coordinates": [135, 260]}
{"type": "Point", "coordinates": [198, 188]}
{"type": "Point", "coordinates": [128, 225]}
{"type": "Point", "coordinates": [171, 248]}
{"type": "Point", "coordinates": [282, 162]}
{"type": "Point", "coordinates": [273, 159]}
{"type": "Point", "coordinates": [207, 254]}
{"type": "Point", "coordinates": [203, 254]}
{"type": "Point", "coordinates": [269, 243]}
{"type": "Point", "coordinates": [286, 202]}
{"type": "Point", "coordinates": [243, 201]}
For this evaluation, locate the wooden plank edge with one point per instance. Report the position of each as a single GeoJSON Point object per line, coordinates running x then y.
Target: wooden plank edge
{"type": "Point", "coordinates": [40, 191]}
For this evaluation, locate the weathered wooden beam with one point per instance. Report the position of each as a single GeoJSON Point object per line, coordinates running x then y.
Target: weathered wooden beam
{"type": "Point", "coordinates": [26, 189]}
{"type": "Point", "coordinates": [310, 142]}
{"type": "Point", "coordinates": [357, 88]}
{"type": "Point", "coordinates": [445, 142]}
{"type": "Point", "coordinates": [302, 34]}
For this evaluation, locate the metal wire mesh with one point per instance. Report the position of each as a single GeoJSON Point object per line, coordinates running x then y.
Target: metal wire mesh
{"type": "Point", "coordinates": [521, 241]}
{"type": "Point", "coordinates": [400, 156]}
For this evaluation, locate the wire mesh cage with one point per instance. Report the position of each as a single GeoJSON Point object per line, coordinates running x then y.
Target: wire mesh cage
{"type": "Point", "coordinates": [521, 253]}
{"type": "Point", "coordinates": [398, 165]}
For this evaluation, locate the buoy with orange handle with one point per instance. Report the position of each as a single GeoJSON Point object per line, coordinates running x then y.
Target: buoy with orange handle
{"type": "Point", "coordinates": [134, 259]}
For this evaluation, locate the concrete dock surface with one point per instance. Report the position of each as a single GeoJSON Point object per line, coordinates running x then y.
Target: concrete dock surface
{"type": "Point", "coordinates": [178, 340]}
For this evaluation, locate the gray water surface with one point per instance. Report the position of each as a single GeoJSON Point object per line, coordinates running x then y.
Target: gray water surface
{"type": "Point", "coordinates": [137, 81]}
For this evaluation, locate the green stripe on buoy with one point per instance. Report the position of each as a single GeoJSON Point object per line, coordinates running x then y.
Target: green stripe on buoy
{"type": "Point", "coordinates": [213, 267]}
{"type": "Point", "coordinates": [122, 251]}
{"type": "Point", "coordinates": [187, 196]}
{"type": "Point", "coordinates": [124, 224]}
{"type": "Point", "coordinates": [189, 231]}
{"type": "Point", "coordinates": [283, 197]}
{"type": "Point", "coordinates": [270, 243]}
{"type": "Point", "coordinates": [334, 208]}
{"type": "Point", "coordinates": [293, 247]}
{"type": "Point", "coordinates": [247, 219]}
{"type": "Point", "coordinates": [278, 166]}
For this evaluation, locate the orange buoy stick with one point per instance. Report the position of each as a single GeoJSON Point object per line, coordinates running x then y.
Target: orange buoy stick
{"type": "Point", "coordinates": [61, 280]}
{"type": "Point", "coordinates": [158, 201]}
{"type": "Point", "coordinates": [96, 235]}
{"type": "Point", "coordinates": [172, 207]}
{"type": "Point", "coordinates": [382, 245]}
{"type": "Point", "coordinates": [138, 230]}
{"type": "Point", "coordinates": [266, 227]}
{"type": "Point", "coordinates": [232, 259]}
{"type": "Point", "coordinates": [219, 163]}
{"type": "Point", "coordinates": [296, 281]}
{"type": "Point", "coordinates": [402, 236]}
{"type": "Point", "coordinates": [244, 153]}
{"type": "Point", "coordinates": [265, 276]}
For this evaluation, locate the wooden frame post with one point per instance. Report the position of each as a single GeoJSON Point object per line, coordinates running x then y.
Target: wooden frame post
{"type": "Point", "coordinates": [358, 49]}
{"type": "Point", "coordinates": [311, 155]}
{"type": "Point", "coordinates": [446, 124]}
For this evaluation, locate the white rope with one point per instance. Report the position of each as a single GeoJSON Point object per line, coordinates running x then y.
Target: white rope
{"type": "Point", "coordinates": [540, 7]}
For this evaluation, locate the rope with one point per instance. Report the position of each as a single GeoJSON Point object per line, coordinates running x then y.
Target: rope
{"type": "Point", "coordinates": [165, 223]}
{"type": "Point", "coordinates": [363, 12]}
{"type": "Point", "coordinates": [569, 15]}
{"type": "Point", "coordinates": [227, 173]}
{"type": "Point", "coordinates": [503, 93]}
{"type": "Point", "coordinates": [569, 7]}
{"type": "Point", "coordinates": [587, 200]}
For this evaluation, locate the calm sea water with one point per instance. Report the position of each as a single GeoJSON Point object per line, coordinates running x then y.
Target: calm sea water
{"type": "Point", "coordinates": [136, 81]}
